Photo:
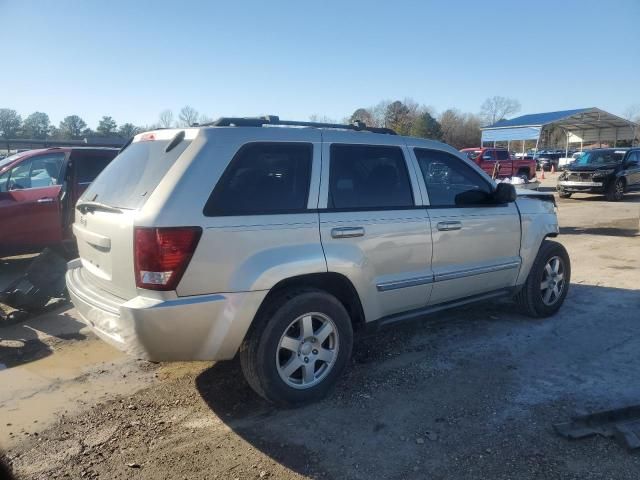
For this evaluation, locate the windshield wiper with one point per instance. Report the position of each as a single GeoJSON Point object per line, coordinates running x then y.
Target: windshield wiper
{"type": "Point", "coordinates": [85, 207]}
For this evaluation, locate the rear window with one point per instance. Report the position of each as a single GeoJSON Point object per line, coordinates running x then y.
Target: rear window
{"type": "Point", "coordinates": [132, 176]}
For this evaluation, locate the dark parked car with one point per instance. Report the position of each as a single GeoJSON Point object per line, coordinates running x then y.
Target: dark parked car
{"type": "Point", "coordinates": [546, 159]}
{"type": "Point", "coordinates": [606, 171]}
{"type": "Point", "coordinates": [38, 190]}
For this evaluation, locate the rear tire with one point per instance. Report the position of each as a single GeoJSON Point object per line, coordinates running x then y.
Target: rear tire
{"type": "Point", "coordinates": [297, 347]}
{"type": "Point", "coordinates": [548, 282]}
{"type": "Point", "coordinates": [564, 195]}
{"type": "Point", "coordinates": [615, 191]}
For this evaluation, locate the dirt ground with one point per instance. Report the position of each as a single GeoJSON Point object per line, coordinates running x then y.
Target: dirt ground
{"type": "Point", "coordinates": [470, 393]}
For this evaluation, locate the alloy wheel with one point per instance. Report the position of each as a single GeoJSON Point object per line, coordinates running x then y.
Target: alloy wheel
{"type": "Point", "coordinates": [307, 351]}
{"type": "Point", "coordinates": [553, 283]}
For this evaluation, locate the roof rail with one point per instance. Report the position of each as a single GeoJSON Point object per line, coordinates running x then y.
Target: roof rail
{"type": "Point", "coordinates": [274, 120]}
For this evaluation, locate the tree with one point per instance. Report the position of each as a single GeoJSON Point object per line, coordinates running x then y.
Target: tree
{"type": "Point", "coordinates": [425, 126]}
{"type": "Point", "coordinates": [496, 108]}
{"type": "Point", "coordinates": [71, 127]}
{"type": "Point", "coordinates": [10, 124]}
{"type": "Point", "coordinates": [128, 130]}
{"type": "Point", "coordinates": [107, 126]}
{"type": "Point", "coordinates": [397, 117]}
{"type": "Point", "coordinates": [362, 115]}
{"type": "Point", "coordinates": [36, 125]}
{"type": "Point", "coordinates": [321, 119]}
{"type": "Point", "coordinates": [166, 119]}
{"type": "Point", "coordinates": [188, 116]}
{"type": "Point", "coordinates": [460, 130]}
{"type": "Point", "coordinates": [204, 119]}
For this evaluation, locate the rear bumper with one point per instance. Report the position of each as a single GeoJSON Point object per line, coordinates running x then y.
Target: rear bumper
{"type": "Point", "coordinates": [202, 327]}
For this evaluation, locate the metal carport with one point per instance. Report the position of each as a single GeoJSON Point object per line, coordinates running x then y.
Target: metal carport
{"type": "Point", "coordinates": [583, 125]}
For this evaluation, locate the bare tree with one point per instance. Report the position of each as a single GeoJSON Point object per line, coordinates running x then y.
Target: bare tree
{"type": "Point", "coordinates": [362, 115]}
{"type": "Point", "coordinates": [166, 119]}
{"type": "Point", "coordinates": [632, 114]}
{"type": "Point", "coordinates": [321, 118]}
{"type": "Point", "coordinates": [460, 130]}
{"type": "Point", "coordinates": [188, 116]}
{"type": "Point", "coordinates": [204, 119]}
{"type": "Point", "coordinates": [496, 108]}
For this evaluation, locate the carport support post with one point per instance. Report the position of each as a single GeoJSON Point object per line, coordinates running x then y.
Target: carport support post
{"type": "Point", "coordinates": [566, 150]}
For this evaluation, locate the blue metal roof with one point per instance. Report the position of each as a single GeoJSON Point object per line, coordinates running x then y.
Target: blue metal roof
{"type": "Point", "coordinates": [537, 118]}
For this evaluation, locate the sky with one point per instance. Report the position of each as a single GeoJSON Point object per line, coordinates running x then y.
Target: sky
{"type": "Point", "coordinates": [131, 60]}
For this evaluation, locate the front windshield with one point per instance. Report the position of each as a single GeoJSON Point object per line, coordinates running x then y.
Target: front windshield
{"type": "Point", "coordinates": [600, 157]}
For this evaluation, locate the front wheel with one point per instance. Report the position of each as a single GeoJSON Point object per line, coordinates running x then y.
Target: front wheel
{"type": "Point", "coordinates": [615, 191]}
{"type": "Point", "coordinates": [298, 347]}
{"type": "Point", "coordinates": [548, 282]}
{"type": "Point", "coordinates": [564, 194]}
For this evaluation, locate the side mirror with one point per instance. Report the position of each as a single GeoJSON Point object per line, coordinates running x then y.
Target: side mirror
{"type": "Point", "coordinates": [505, 193]}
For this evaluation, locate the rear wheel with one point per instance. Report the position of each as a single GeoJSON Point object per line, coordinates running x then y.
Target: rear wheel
{"type": "Point", "coordinates": [562, 194]}
{"type": "Point", "coordinates": [298, 347]}
{"type": "Point", "coordinates": [615, 191]}
{"type": "Point", "coordinates": [548, 282]}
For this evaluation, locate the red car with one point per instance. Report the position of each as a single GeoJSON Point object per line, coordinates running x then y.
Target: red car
{"type": "Point", "coordinates": [492, 159]}
{"type": "Point", "coordinates": [38, 190]}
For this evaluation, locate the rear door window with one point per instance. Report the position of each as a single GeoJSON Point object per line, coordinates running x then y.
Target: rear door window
{"type": "Point", "coordinates": [262, 179]}
{"type": "Point", "coordinates": [503, 155]}
{"type": "Point", "coordinates": [134, 174]}
{"type": "Point", "coordinates": [368, 177]}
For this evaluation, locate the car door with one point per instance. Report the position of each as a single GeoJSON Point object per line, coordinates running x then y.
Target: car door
{"type": "Point", "coordinates": [371, 226]}
{"type": "Point", "coordinates": [488, 161]}
{"type": "Point", "coordinates": [476, 243]}
{"type": "Point", "coordinates": [506, 163]}
{"type": "Point", "coordinates": [30, 202]}
{"type": "Point", "coordinates": [633, 170]}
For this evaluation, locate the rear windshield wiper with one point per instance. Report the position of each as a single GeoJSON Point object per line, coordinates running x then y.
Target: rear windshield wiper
{"type": "Point", "coordinates": [85, 207]}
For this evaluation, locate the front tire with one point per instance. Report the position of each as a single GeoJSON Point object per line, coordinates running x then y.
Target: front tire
{"type": "Point", "coordinates": [548, 282]}
{"type": "Point", "coordinates": [615, 191]}
{"type": "Point", "coordinates": [297, 347]}
{"type": "Point", "coordinates": [564, 194]}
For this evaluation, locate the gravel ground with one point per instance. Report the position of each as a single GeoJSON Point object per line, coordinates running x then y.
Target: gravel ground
{"type": "Point", "coordinates": [471, 393]}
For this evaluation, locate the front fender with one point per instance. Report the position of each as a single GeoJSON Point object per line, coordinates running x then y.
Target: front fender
{"type": "Point", "coordinates": [535, 228]}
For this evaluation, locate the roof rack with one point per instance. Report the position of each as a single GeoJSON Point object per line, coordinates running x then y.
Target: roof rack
{"type": "Point", "coordinates": [274, 120]}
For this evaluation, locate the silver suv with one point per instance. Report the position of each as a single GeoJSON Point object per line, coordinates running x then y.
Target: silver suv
{"type": "Point", "coordinates": [275, 240]}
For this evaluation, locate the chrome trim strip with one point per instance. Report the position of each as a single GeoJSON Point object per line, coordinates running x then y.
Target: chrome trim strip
{"type": "Point", "coordinates": [571, 183]}
{"type": "Point", "coordinates": [410, 282]}
{"type": "Point", "coordinates": [475, 271]}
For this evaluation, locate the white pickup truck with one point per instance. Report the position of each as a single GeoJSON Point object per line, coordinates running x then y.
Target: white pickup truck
{"type": "Point", "coordinates": [564, 162]}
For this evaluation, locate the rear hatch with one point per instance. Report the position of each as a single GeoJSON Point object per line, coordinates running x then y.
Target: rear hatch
{"type": "Point", "coordinates": [107, 210]}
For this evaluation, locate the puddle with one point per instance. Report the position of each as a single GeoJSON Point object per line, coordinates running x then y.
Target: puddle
{"type": "Point", "coordinates": [69, 380]}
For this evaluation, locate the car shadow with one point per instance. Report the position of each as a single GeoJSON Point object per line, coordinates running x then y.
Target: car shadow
{"type": "Point", "coordinates": [22, 343]}
{"type": "Point", "coordinates": [417, 380]}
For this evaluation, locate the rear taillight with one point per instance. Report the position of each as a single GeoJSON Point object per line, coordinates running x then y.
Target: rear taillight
{"type": "Point", "coordinates": [162, 255]}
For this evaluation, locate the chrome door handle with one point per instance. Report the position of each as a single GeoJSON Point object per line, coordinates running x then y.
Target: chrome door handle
{"type": "Point", "coordinates": [446, 226]}
{"type": "Point", "coordinates": [45, 200]}
{"type": "Point", "coordinates": [347, 232]}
